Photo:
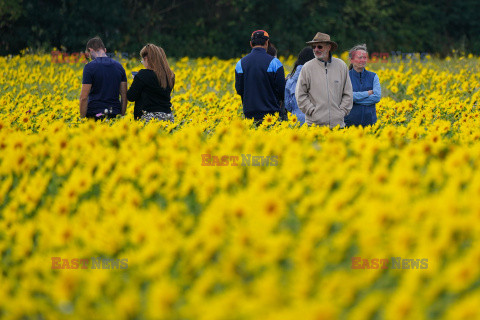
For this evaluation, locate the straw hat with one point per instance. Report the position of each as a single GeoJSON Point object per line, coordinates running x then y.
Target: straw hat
{"type": "Point", "coordinates": [323, 37]}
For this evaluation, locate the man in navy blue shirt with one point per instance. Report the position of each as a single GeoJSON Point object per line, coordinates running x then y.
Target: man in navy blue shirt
{"type": "Point", "coordinates": [104, 80]}
{"type": "Point", "coordinates": [260, 80]}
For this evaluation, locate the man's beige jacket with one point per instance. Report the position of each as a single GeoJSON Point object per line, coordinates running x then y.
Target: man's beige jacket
{"type": "Point", "coordinates": [324, 92]}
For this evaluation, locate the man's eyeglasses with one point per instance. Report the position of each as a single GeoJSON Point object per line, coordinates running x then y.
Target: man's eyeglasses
{"type": "Point", "coordinates": [319, 46]}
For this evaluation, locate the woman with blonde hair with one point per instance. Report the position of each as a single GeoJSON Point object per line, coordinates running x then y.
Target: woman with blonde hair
{"type": "Point", "coordinates": [152, 87]}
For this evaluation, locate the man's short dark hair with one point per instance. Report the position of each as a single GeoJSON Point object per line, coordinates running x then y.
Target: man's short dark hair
{"type": "Point", "coordinates": [95, 44]}
{"type": "Point", "coordinates": [258, 42]}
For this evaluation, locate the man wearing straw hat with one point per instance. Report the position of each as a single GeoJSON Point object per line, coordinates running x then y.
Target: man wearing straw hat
{"type": "Point", "coordinates": [324, 91]}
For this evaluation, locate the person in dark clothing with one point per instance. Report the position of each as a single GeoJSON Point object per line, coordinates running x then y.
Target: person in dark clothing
{"type": "Point", "coordinates": [272, 50]}
{"type": "Point", "coordinates": [152, 87]}
{"type": "Point", "coordinates": [104, 80]}
{"type": "Point", "coordinates": [260, 80]}
{"type": "Point", "coordinates": [366, 89]}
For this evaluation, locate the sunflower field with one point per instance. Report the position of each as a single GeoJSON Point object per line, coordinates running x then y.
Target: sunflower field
{"type": "Point", "coordinates": [211, 217]}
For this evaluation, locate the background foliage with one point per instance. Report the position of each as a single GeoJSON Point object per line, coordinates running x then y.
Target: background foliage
{"type": "Point", "coordinates": [222, 27]}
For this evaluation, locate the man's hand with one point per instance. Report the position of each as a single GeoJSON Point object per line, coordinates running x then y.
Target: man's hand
{"type": "Point", "coordinates": [370, 92]}
{"type": "Point", "coordinates": [123, 96]}
{"type": "Point", "coordinates": [84, 99]}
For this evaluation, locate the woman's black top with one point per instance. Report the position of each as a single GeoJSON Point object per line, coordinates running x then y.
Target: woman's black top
{"type": "Point", "coordinates": [148, 94]}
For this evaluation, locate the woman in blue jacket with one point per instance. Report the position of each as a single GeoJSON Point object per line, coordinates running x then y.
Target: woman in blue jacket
{"type": "Point", "coordinates": [290, 102]}
{"type": "Point", "coordinates": [366, 89]}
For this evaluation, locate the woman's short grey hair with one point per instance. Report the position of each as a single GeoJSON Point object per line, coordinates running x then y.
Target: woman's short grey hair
{"type": "Point", "coordinates": [362, 46]}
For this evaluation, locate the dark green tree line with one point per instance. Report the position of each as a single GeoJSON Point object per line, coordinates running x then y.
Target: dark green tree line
{"type": "Point", "coordinates": [222, 27]}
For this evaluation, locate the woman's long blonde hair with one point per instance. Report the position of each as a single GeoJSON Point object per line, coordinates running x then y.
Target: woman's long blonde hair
{"type": "Point", "coordinates": [157, 61]}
